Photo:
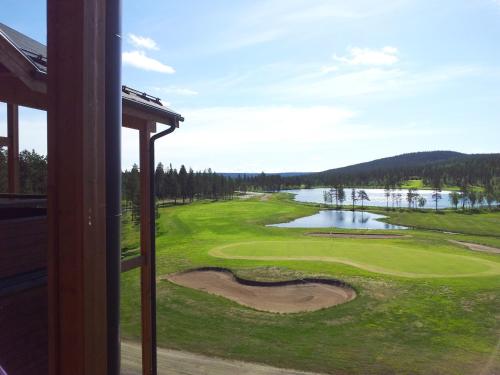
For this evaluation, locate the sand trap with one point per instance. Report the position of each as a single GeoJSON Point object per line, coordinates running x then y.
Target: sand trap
{"type": "Point", "coordinates": [278, 297]}
{"type": "Point", "coordinates": [477, 247]}
{"type": "Point", "coordinates": [356, 235]}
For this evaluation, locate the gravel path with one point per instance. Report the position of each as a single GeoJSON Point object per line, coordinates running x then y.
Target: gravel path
{"type": "Point", "coordinates": [174, 362]}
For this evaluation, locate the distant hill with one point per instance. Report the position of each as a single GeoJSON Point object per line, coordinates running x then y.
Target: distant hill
{"type": "Point", "coordinates": [450, 166]}
{"type": "Point", "coordinates": [434, 168]}
{"type": "Point", "coordinates": [403, 160]}
{"type": "Point", "coordinates": [445, 167]}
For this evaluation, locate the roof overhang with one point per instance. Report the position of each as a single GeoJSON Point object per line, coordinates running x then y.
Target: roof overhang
{"type": "Point", "coordinates": [23, 81]}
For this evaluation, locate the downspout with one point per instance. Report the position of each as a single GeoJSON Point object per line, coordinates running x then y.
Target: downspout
{"type": "Point", "coordinates": [152, 228]}
{"type": "Point", "coordinates": [113, 110]}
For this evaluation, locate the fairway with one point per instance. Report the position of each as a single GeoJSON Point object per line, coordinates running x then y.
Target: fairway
{"type": "Point", "coordinates": [423, 306]}
{"type": "Point", "coordinates": [401, 258]}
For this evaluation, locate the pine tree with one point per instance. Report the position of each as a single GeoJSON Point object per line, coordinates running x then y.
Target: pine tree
{"type": "Point", "coordinates": [183, 189]}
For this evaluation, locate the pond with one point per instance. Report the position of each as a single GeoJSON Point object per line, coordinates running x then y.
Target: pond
{"type": "Point", "coordinates": [340, 219]}
{"type": "Point", "coordinates": [377, 197]}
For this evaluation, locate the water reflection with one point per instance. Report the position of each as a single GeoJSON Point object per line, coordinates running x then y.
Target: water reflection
{"type": "Point", "coordinates": [340, 219]}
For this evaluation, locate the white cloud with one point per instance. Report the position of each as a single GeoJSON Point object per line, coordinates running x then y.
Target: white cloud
{"type": "Point", "coordinates": [271, 138]}
{"type": "Point", "coordinates": [142, 42]}
{"type": "Point", "coordinates": [383, 82]}
{"type": "Point", "coordinates": [239, 138]}
{"type": "Point", "coordinates": [328, 69]}
{"type": "Point", "coordinates": [138, 59]}
{"type": "Point", "coordinates": [174, 90]}
{"type": "Point", "coordinates": [366, 56]}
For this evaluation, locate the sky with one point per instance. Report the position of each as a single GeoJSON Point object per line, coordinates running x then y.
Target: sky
{"type": "Point", "coordinates": [302, 85]}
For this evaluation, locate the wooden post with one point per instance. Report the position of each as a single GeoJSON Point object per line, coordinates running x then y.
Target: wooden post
{"type": "Point", "coordinates": [146, 308]}
{"type": "Point", "coordinates": [13, 147]}
{"type": "Point", "coordinates": [76, 187]}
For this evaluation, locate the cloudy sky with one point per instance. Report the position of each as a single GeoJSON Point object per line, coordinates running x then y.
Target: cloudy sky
{"type": "Point", "coordinates": [303, 85]}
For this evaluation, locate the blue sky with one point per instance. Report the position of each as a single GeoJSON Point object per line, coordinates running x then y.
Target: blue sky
{"type": "Point", "coordinates": [304, 85]}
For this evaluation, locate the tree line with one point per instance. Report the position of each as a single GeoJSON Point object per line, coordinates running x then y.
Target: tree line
{"type": "Point", "coordinates": [32, 172]}
{"type": "Point", "coordinates": [465, 199]}
{"type": "Point", "coordinates": [170, 184]}
{"type": "Point", "coordinates": [180, 185]}
{"type": "Point", "coordinates": [337, 194]}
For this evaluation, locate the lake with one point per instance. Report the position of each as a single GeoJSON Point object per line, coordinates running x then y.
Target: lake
{"type": "Point", "coordinates": [377, 197]}
{"type": "Point", "coordinates": [340, 219]}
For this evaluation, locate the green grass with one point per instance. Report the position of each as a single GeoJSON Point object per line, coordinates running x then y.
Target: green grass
{"type": "Point", "coordinates": [413, 184]}
{"type": "Point", "coordinates": [405, 258]}
{"type": "Point", "coordinates": [483, 223]}
{"type": "Point", "coordinates": [419, 184]}
{"type": "Point", "coordinates": [405, 320]}
{"type": "Point", "coordinates": [130, 233]}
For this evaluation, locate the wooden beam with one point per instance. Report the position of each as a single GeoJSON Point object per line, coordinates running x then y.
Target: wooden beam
{"type": "Point", "coordinates": [14, 61]}
{"type": "Point", "coordinates": [131, 263]}
{"type": "Point", "coordinates": [4, 70]}
{"type": "Point", "coordinates": [146, 307]}
{"type": "Point", "coordinates": [132, 122]}
{"type": "Point", "coordinates": [13, 90]}
{"type": "Point", "coordinates": [76, 187]}
{"type": "Point", "coordinates": [13, 148]}
{"type": "Point", "coordinates": [146, 114]}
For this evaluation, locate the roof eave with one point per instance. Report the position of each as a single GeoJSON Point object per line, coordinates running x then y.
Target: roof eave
{"type": "Point", "coordinates": [163, 116]}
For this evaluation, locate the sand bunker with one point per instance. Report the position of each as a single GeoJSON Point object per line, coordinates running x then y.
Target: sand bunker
{"type": "Point", "coordinates": [477, 247]}
{"type": "Point", "coordinates": [356, 235]}
{"type": "Point", "coordinates": [279, 297]}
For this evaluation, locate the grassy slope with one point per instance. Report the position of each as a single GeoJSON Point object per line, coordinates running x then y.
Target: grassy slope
{"type": "Point", "coordinates": [396, 325]}
{"type": "Point", "coordinates": [419, 184]}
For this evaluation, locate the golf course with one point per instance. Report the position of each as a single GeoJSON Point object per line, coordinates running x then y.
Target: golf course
{"type": "Point", "coordinates": [422, 304]}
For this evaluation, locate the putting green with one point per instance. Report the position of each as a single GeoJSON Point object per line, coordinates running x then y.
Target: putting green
{"type": "Point", "coordinates": [398, 258]}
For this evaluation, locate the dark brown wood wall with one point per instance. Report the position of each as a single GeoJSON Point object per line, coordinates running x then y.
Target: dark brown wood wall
{"type": "Point", "coordinates": [23, 245]}
{"type": "Point", "coordinates": [23, 334]}
{"type": "Point", "coordinates": [23, 296]}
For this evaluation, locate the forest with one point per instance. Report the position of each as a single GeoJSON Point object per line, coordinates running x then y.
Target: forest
{"type": "Point", "coordinates": [171, 184]}
{"type": "Point", "coordinates": [443, 167]}
{"type": "Point", "coordinates": [437, 169]}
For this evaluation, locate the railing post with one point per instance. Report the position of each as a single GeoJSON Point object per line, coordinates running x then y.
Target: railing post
{"type": "Point", "coordinates": [13, 147]}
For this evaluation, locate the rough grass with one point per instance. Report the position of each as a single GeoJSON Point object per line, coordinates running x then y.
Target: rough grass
{"type": "Point", "coordinates": [130, 233]}
{"type": "Point", "coordinates": [483, 223]}
{"type": "Point", "coordinates": [397, 325]}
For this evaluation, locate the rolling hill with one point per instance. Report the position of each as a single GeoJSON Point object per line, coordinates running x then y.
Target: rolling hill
{"type": "Point", "coordinates": [451, 167]}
